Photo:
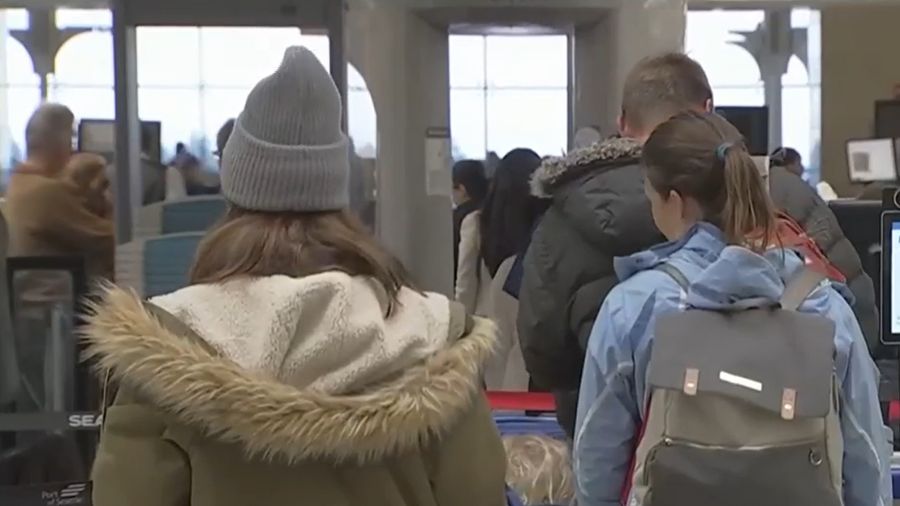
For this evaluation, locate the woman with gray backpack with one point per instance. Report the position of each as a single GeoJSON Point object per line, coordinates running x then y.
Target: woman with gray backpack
{"type": "Point", "coordinates": [759, 389]}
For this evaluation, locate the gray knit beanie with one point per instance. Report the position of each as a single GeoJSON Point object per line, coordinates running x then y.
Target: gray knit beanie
{"type": "Point", "coordinates": [287, 152]}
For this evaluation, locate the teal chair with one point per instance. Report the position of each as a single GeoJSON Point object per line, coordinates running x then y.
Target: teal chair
{"type": "Point", "coordinates": [157, 265]}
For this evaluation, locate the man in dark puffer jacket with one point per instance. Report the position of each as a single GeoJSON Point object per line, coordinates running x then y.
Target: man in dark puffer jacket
{"type": "Point", "coordinates": [599, 211]}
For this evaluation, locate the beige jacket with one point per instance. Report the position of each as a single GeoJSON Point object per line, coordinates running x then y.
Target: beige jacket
{"type": "Point", "coordinates": [473, 280]}
{"type": "Point", "coordinates": [50, 216]}
{"type": "Point", "coordinates": [294, 391]}
{"type": "Point", "coordinates": [506, 369]}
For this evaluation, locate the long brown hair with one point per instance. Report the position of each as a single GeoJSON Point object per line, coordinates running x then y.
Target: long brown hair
{"type": "Point", "coordinates": [257, 244]}
{"type": "Point", "coordinates": [702, 156]}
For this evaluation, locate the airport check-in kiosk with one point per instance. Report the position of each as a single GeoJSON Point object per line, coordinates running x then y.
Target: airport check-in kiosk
{"type": "Point", "coordinates": [49, 420]}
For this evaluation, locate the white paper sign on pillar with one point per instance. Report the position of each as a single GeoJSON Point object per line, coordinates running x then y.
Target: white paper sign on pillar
{"type": "Point", "coordinates": [438, 162]}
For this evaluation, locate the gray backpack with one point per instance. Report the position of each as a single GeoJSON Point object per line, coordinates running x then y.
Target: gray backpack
{"type": "Point", "coordinates": [743, 408]}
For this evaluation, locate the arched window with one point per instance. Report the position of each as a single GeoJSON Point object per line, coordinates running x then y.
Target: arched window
{"type": "Point", "coordinates": [83, 80]}
{"type": "Point", "coordinates": [20, 96]}
{"type": "Point", "coordinates": [500, 101]}
{"type": "Point", "coordinates": [191, 79]}
{"type": "Point", "coordinates": [712, 39]}
{"type": "Point", "coordinates": [797, 104]}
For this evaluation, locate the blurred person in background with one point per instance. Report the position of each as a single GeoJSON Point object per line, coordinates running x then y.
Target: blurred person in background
{"type": "Point", "coordinates": [300, 365]}
{"type": "Point", "coordinates": [153, 172]}
{"type": "Point", "coordinates": [491, 161]}
{"type": "Point", "coordinates": [88, 172]}
{"type": "Point", "coordinates": [470, 186]}
{"type": "Point", "coordinates": [49, 215]}
{"type": "Point", "coordinates": [222, 137]}
{"type": "Point", "coordinates": [506, 222]}
{"type": "Point", "coordinates": [788, 158]}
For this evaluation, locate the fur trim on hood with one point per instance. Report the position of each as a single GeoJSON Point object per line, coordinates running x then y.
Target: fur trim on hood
{"type": "Point", "coordinates": [556, 171]}
{"type": "Point", "coordinates": [183, 376]}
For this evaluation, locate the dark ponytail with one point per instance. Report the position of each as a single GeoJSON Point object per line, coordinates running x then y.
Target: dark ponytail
{"type": "Point", "coordinates": [702, 156]}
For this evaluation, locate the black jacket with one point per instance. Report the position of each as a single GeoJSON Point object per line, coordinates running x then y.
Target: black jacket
{"type": "Point", "coordinates": [599, 211]}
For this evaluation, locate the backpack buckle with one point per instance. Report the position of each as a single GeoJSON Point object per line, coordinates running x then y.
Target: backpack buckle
{"type": "Point", "coordinates": [691, 381]}
{"type": "Point", "coordinates": [788, 403]}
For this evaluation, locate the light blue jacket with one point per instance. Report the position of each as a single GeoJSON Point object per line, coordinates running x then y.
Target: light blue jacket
{"type": "Point", "coordinates": [610, 409]}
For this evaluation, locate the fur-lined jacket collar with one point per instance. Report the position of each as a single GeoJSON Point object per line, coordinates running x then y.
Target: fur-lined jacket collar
{"type": "Point", "coordinates": [189, 377]}
{"type": "Point", "coordinates": [555, 172]}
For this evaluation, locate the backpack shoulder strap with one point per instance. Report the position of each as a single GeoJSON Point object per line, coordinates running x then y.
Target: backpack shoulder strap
{"type": "Point", "coordinates": [800, 288]}
{"type": "Point", "coordinates": [674, 273]}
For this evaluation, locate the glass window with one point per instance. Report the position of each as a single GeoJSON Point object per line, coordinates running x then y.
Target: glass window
{"type": "Point", "coordinates": [712, 38]}
{"type": "Point", "coordinates": [796, 119]}
{"type": "Point", "coordinates": [240, 57]}
{"type": "Point", "coordinates": [83, 18]}
{"type": "Point", "coordinates": [362, 119]}
{"type": "Point", "coordinates": [160, 65]}
{"type": "Point", "coordinates": [467, 61]}
{"type": "Point", "coordinates": [21, 95]}
{"type": "Point", "coordinates": [527, 62]}
{"type": "Point", "coordinates": [541, 126]}
{"type": "Point", "coordinates": [86, 60]}
{"type": "Point", "coordinates": [218, 106]}
{"type": "Point", "coordinates": [177, 109]}
{"type": "Point", "coordinates": [16, 19]}
{"type": "Point", "coordinates": [87, 102]}
{"type": "Point", "coordinates": [801, 95]}
{"type": "Point", "coordinates": [192, 79]}
{"type": "Point", "coordinates": [468, 118]}
{"type": "Point", "coordinates": [491, 77]}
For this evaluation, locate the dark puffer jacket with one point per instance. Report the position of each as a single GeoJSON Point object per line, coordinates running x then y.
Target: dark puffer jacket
{"type": "Point", "coordinates": [792, 195]}
{"type": "Point", "coordinates": [599, 211]}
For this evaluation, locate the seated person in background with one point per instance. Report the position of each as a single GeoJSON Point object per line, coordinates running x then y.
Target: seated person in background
{"type": "Point", "coordinates": [470, 186]}
{"type": "Point", "coordinates": [792, 162]}
{"type": "Point", "coordinates": [788, 158]}
{"type": "Point", "coordinates": [300, 366]}
{"type": "Point", "coordinates": [709, 200]}
{"type": "Point", "coordinates": [505, 226]}
{"type": "Point", "coordinates": [48, 214]}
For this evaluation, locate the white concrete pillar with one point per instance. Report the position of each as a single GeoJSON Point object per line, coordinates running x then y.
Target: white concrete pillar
{"type": "Point", "coordinates": [606, 52]}
{"type": "Point", "coordinates": [405, 62]}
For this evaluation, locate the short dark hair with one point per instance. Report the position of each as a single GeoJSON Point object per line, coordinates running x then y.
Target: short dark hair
{"type": "Point", "coordinates": [783, 157]}
{"type": "Point", "coordinates": [660, 87]}
{"type": "Point", "coordinates": [470, 174]}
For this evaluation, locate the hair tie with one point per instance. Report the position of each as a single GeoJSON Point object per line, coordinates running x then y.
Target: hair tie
{"type": "Point", "coordinates": [722, 150]}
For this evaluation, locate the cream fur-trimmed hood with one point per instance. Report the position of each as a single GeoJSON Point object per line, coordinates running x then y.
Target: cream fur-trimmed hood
{"type": "Point", "coordinates": [184, 376]}
{"type": "Point", "coordinates": [556, 171]}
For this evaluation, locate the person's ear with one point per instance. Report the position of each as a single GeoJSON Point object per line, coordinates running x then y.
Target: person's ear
{"type": "Point", "coordinates": [620, 124]}
{"type": "Point", "coordinates": [708, 106]}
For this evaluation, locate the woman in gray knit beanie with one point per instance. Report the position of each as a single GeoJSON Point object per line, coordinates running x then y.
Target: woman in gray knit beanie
{"type": "Point", "coordinates": [299, 366]}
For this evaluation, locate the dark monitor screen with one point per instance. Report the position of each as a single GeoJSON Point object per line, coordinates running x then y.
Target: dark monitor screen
{"type": "Point", "coordinates": [753, 123]}
{"type": "Point", "coordinates": [99, 136]}
{"type": "Point", "coordinates": [887, 119]}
